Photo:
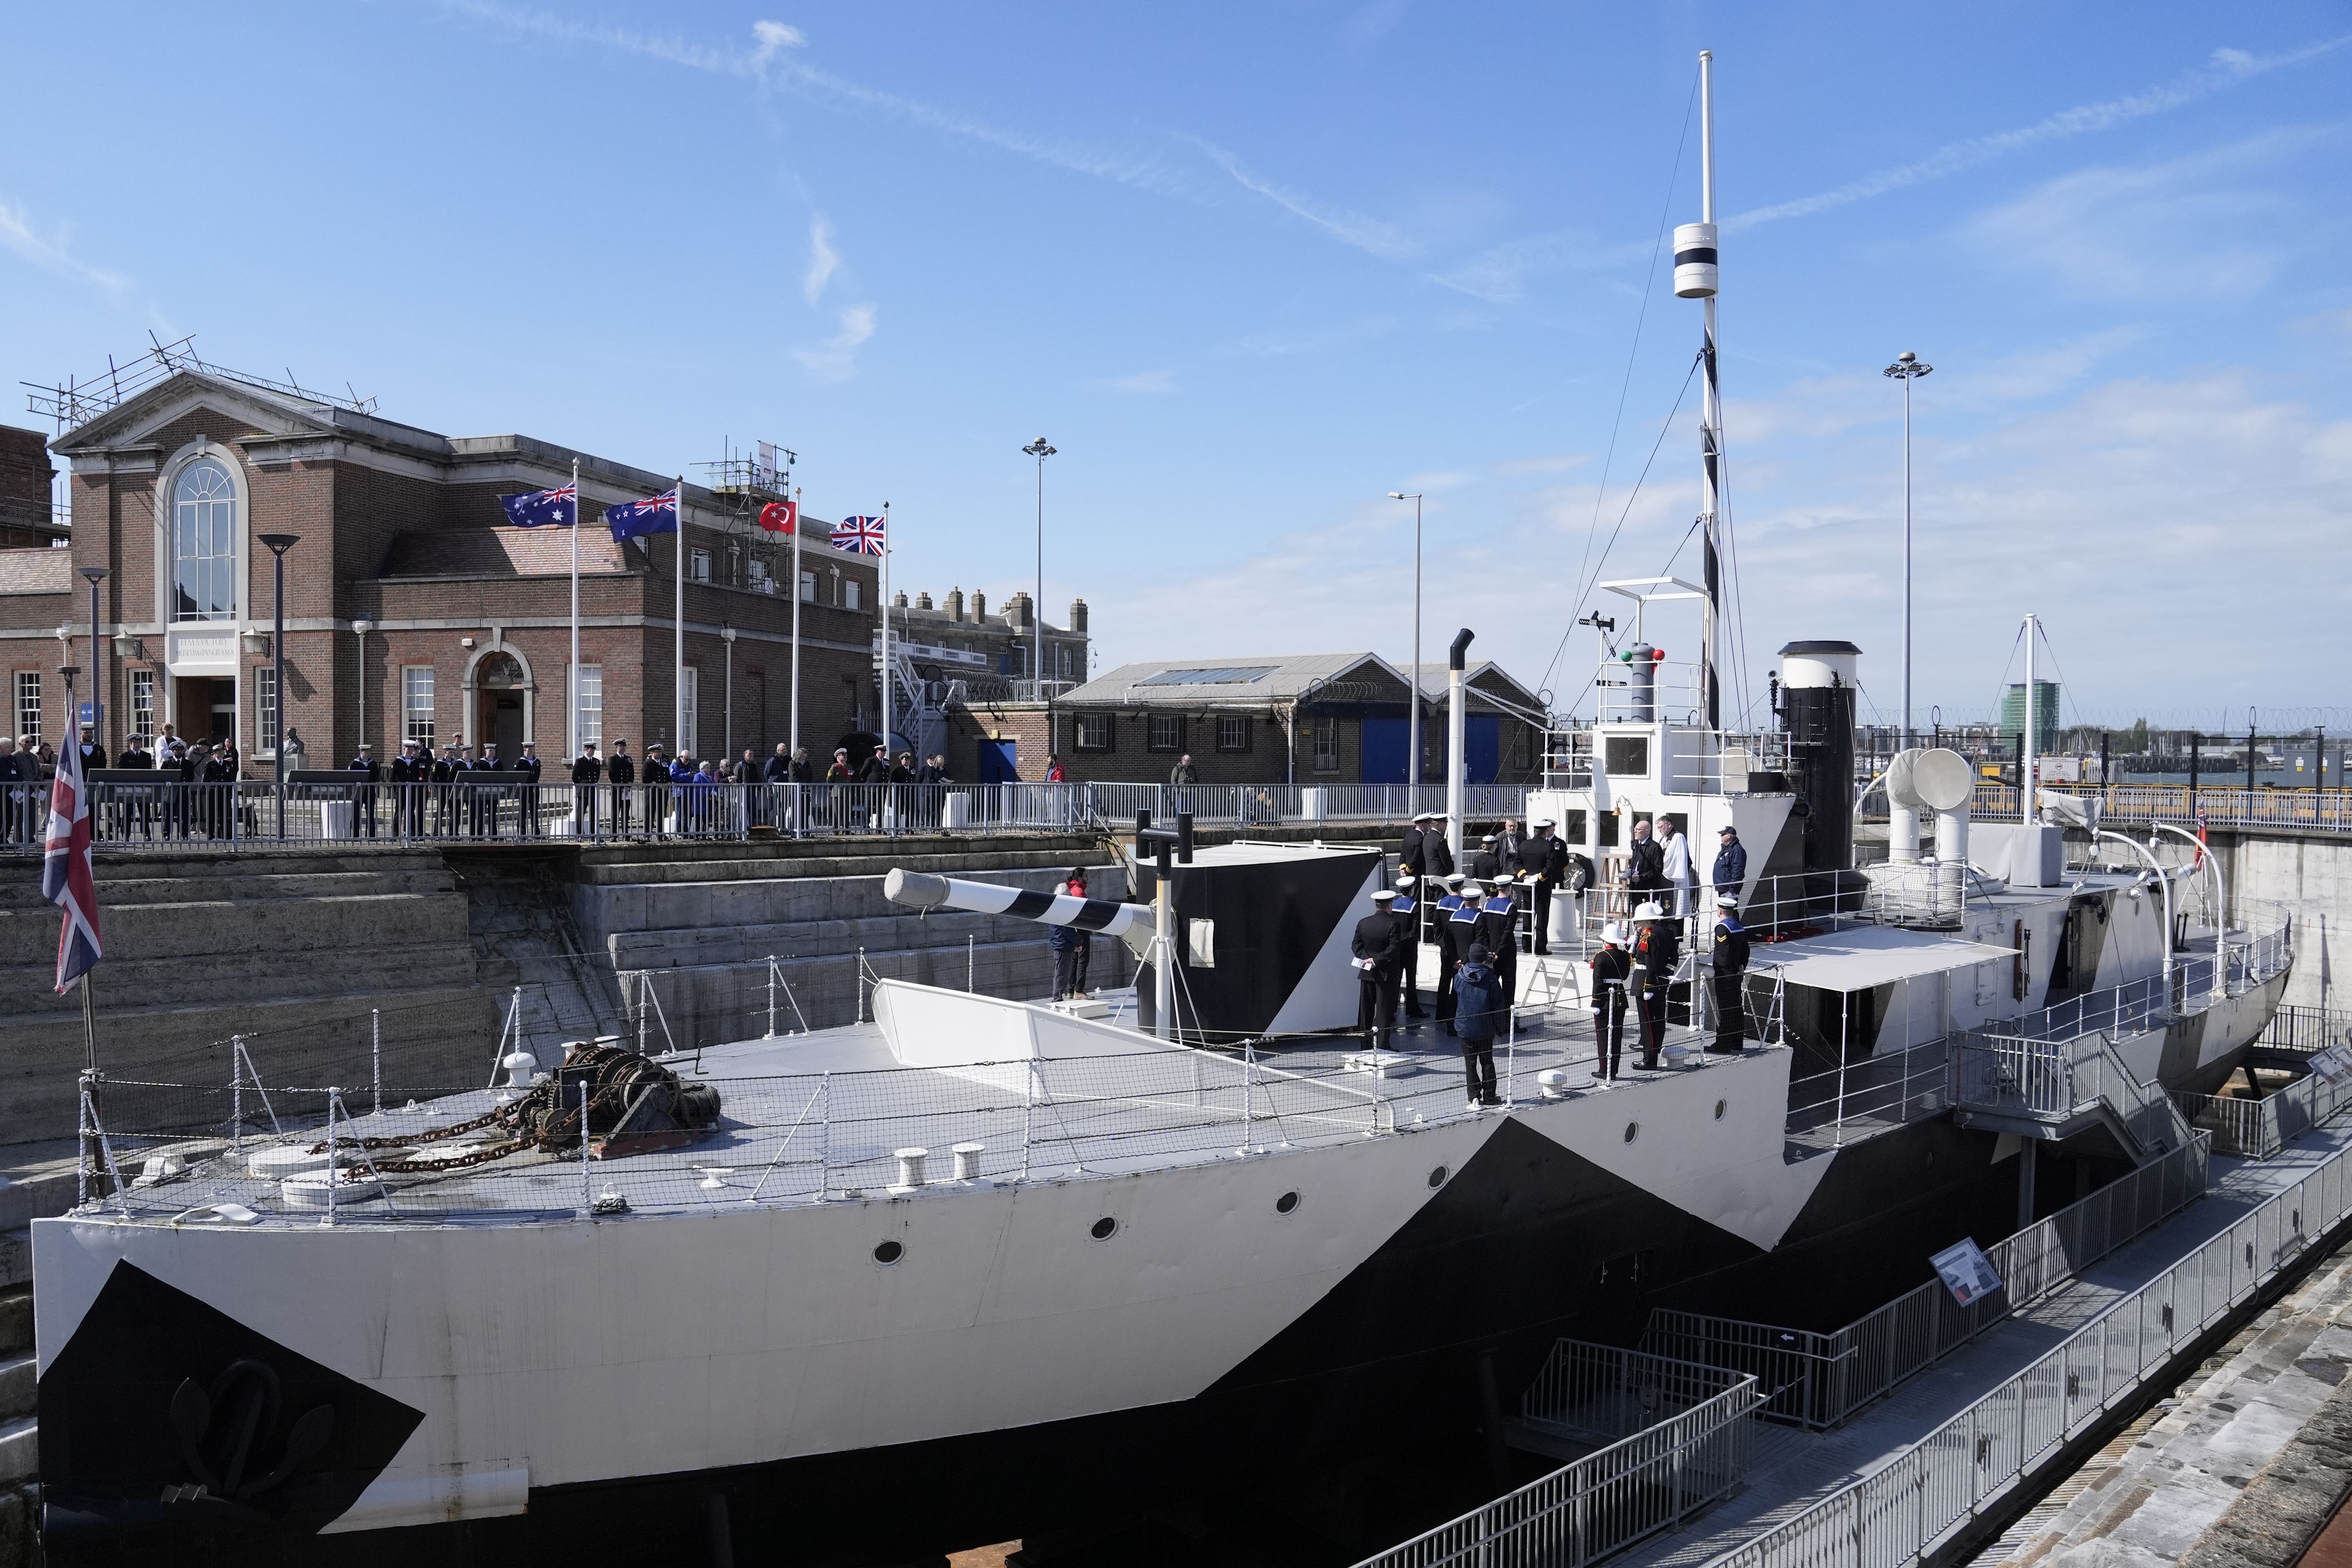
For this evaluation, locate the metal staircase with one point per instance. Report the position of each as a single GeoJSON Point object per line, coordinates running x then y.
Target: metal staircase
{"type": "Point", "coordinates": [921, 696]}
{"type": "Point", "coordinates": [2052, 1091]}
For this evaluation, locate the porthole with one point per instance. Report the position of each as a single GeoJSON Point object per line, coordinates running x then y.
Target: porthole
{"type": "Point", "coordinates": [1103, 1228]}
{"type": "Point", "coordinates": [1632, 1131]}
{"type": "Point", "coordinates": [1719, 1109]}
{"type": "Point", "coordinates": [1285, 1203]}
{"type": "Point", "coordinates": [1437, 1177]}
{"type": "Point", "coordinates": [887, 1253]}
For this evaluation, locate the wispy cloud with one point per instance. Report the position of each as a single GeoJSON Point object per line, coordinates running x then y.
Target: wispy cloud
{"type": "Point", "coordinates": [2229, 68]}
{"type": "Point", "coordinates": [823, 260]}
{"type": "Point", "coordinates": [51, 253]}
{"type": "Point", "coordinates": [1143, 383]}
{"type": "Point", "coordinates": [1374, 22]}
{"type": "Point", "coordinates": [1368, 235]}
{"type": "Point", "coordinates": [668, 48]}
{"type": "Point", "coordinates": [2191, 227]}
{"type": "Point", "coordinates": [836, 359]}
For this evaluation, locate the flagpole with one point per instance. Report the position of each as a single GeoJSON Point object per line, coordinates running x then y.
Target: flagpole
{"type": "Point", "coordinates": [885, 632]}
{"type": "Point", "coordinates": [678, 662]}
{"type": "Point", "coordinates": [571, 686]}
{"type": "Point", "coordinates": [796, 625]}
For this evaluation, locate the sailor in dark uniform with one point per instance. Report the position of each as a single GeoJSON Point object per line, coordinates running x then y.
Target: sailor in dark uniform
{"type": "Point", "coordinates": [1378, 947]}
{"type": "Point", "coordinates": [1498, 928]}
{"type": "Point", "coordinates": [1657, 950]}
{"type": "Point", "coordinates": [1730, 959]}
{"type": "Point", "coordinates": [1485, 865]}
{"type": "Point", "coordinates": [1442, 930]}
{"type": "Point", "coordinates": [1407, 911]}
{"type": "Point", "coordinates": [1612, 970]}
{"type": "Point", "coordinates": [1547, 862]}
{"type": "Point", "coordinates": [364, 796]}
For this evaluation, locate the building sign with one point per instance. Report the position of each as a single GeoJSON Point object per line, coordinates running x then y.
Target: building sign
{"type": "Point", "coordinates": [1965, 1271]}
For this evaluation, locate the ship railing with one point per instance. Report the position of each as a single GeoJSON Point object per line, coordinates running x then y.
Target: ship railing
{"type": "Point", "coordinates": [1905, 1511]}
{"type": "Point", "coordinates": [1675, 693]}
{"type": "Point", "coordinates": [1873, 1094]}
{"type": "Point", "coordinates": [1918, 894]}
{"type": "Point", "coordinates": [805, 1137]}
{"type": "Point", "coordinates": [2055, 1082]}
{"type": "Point", "coordinates": [1697, 761]}
{"type": "Point", "coordinates": [2258, 1128]}
{"type": "Point", "coordinates": [1819, 1380]}
{"type": "Point", "coordinates": [1676, 1437]}
{"type": "Point", "coordinates": [2224, 806]}
{"type": "Point", "coordinates": [2302, 1029]}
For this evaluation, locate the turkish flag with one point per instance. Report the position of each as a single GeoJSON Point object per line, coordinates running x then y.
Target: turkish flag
{"type": "Point", "coordinates": [781, 516]}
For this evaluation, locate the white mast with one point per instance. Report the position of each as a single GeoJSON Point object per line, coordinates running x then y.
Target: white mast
{"type": "Point", "coordinates": [798, 497]}
{"type": "Point", "coordinates": [1696, 278]}
{"type": "Point", "coordinates": [572, 684]}
{"type": "Point", "coordinates": [678, 661]}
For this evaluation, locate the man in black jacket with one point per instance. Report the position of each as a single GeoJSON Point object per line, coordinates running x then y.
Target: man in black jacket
{"type": "Point", "coordinates": [1379, 948]}
{"type": "Point", "coordinates": [621, 772]}
{"type": "Point", "coordinates": [1645, 868]}
{"type": "Point", "coordinates": [587, 772]}
{"type": "Point", "coordinates": [364, 796]}
{"type": "Point", "coordinates": [1485, 865]}
{"type": "Point", "coordinates": [1657, 950]}
{"type": "Point", "coordinates": [530, 766]}
{"type": "Point", "coordinates": [404, 773]}
{"type": "Point", "coordinates": [1546, 857]}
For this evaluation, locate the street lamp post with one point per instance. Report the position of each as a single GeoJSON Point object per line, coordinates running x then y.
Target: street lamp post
{"type": "Point", "coordinates": [1041, 449]}
{"type": "Point", "coordinates": [1413, 734]}
{"type": "Point", "coordinates": [1907, 369]}
{"type": "Point", "coordinates": [727, 637]}
{"type": "Point", "coordinates": [96, 675]}
{"type": "Point", "coordinates": [280, 543]}
{"type": "Point", "coordinates": [360, 629]}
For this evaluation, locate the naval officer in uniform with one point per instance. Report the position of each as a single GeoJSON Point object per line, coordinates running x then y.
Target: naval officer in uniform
{"type": "Point", "coordinates": [1378, 946]}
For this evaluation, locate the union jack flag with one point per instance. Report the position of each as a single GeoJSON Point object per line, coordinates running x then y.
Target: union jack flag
{"type": "Point", "coordinates": [66, 879]}
{"type": "Point", "coordinates": [2200, 839]}
{"type": "Point", "coordinates": [539, 508]}
{"type": "Point", "coordinates": [866, 535]}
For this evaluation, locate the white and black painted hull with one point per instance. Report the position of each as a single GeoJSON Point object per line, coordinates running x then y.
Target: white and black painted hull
{"type": "Point", "coordinates": [572, 1385]}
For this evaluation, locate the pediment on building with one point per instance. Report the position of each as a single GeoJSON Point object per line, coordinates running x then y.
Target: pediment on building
{"type": "Point", "coordinates": [138, 418]}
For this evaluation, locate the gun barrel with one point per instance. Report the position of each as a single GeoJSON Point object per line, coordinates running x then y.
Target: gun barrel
{"type": "Point", "coordinates": [924, 891]}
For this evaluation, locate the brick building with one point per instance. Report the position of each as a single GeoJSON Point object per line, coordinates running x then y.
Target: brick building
{"type": "Point", "coordinates": [411, 609]}
{"type": "Point", "coordinates": [28, 516]}
{"type": "Point", "coordinates": [994, 656]}
{"type": "Point", "coordinates": [1316, 719]}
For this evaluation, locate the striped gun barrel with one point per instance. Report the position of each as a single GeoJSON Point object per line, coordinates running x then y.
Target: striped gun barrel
{"type": "Point", "coordinates": [921, 890]}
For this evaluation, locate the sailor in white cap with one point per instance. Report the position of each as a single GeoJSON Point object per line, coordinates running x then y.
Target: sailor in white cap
{"type": "Point", "coordinates": [1442, 914]}
{"type": "Point", "coordinates": [1425, 852]}
{"type": "Point", "coordinates": [1612, 969]}
{"type": "Point", "coordinates": [1657, 948]}
{"type": "Point", "coordinates": [1407, 912]}
{"type": "Point", "coordinates": [1485, 864]}
{"type": "Point", "coordinates": [1730, 960]}
{"type": "Point", "coordinates": [1379, 950]}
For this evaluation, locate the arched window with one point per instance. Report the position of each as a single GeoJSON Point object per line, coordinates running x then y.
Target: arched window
{"type": "Point", "coordinates": [204, 543]}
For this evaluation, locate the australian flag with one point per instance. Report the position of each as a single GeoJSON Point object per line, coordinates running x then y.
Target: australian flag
{"type": "Point", "coordinates": [866, 535]}
{"type": "Point", "coordinates": [654, 514]}
{"type": "Point", "coordinates": [66, 879]}
{"type": "Point", "coordinates": [543, 509]}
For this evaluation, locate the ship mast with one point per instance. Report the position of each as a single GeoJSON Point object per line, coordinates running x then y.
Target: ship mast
{"type": "Point", "coordinates": [1696, 278]}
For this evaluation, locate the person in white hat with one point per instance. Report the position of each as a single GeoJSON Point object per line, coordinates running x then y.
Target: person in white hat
{"type": "Point", "coordinates": [1547, 862]}
{"type": "Point", "coordinates": [1657, 948]}
{"type": "Point", "coordinates": [1425, 851]}
{"type": "Point", "coordinates": [1452, 941]}
{"type": "Point", "coordinates": [1730, 959]}
{"type": "Point", "coordinates": [1379, 948]}
{"type": "Point", "coordinates": [1612, 969]}
{"type": "Point", "coordinates": [1408, 912]}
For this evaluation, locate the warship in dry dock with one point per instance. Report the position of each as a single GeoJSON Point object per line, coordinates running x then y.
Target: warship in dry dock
{"type": "Point", "coordinates": [981, 1267]}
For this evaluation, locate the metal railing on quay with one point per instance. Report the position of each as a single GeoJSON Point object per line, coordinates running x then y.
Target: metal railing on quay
{"type": "Point", "coordinates": [166, 815]}
{"type": "Point", "coordinates": [2302, 1028]}
{"type": "Point", "coordinates": [1693, 1451]}
{"type": "Point", "coordinates": [2224, 806]}
{"type": "Point", "coordinates": [1906, 1511]}
{"type": "Point", "coordinates": [2257, 1129]}
{"type": "Point", "coordinates": [1819, 1380]}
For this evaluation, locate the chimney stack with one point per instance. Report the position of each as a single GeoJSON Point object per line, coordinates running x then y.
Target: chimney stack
{"type": "Point", "coordinates": [955, 603]}
{"type": "Point", "coordinates": [979, 606]}
{"type": "Point", "coordinates": [923, 600]}
{"type": "Point", "coordinates": [1078, 617]}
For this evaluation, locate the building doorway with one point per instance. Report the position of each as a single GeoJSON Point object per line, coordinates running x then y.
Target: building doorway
{"type": "Point", "coordinates": [204, 707]}
{"type": "Point", "coordinates": [498, 706]}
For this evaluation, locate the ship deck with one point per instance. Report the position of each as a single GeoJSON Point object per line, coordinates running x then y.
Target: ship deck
{"type": "Point", "coordinates": [825, 1115]}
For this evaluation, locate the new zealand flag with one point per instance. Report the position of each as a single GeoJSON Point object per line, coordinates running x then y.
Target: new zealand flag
{"type": "Point", "coordinates": [543, 509]}
{"type": "Point", "coordinates": [654, 514]}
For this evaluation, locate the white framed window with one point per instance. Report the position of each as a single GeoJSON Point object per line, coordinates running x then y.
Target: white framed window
{"type": "Point", "coordinates": [1323, 734]}
{"type": "Point", "coordinates": [1234, 732]}
{"type": "Point", "coordinates": [265, 707]}
{"type": "Point", "coordinates": [760, 582]}
{"type": "Point", "coordinates": [142, 705]}
{"type": "Point", "coordinates": [689, 739]}
{"type": "Point", "coordinates": [592, 703]}
{"type": "Point", "coordinates": [416, 704]}
{"type": "Point", "coordinates": [28, 704]}
{"type": "Point", "coordinates": [1167, 733]}
{"type": "Point", "coordinates": [698, 565]}
{"type": "Point", "coordinates": [1095, 731]}
{"type": "Point", "coordinates": [853, 594]}
{"type": "Point", "coordinates": [808, 587]}
{"type": "Point", "coordinates": [204, 543]}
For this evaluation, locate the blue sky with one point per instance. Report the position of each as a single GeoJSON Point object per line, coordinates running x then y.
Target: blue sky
{"type": "Point", "coordinates": [1252, 267]}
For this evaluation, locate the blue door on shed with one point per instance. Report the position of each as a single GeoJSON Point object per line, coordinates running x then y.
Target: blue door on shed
{"type": "Point", "coordinates": [1384, 746]}
{"type": "Point", "coordinates": [997, 762]}
{"type": "Point", "coordinates": [1482, 746]}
